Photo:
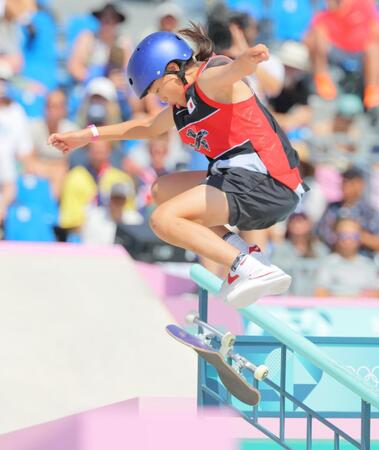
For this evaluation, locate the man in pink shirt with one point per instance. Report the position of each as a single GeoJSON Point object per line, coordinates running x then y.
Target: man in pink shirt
{"type": "Point", "coordinates": [353, 27]}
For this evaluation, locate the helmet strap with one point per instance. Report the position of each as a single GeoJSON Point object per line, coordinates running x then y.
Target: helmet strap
{"type": "Point", "coordinates": [181, 73]}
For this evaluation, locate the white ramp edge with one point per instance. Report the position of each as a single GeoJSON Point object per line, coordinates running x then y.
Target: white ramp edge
{"type": "Point", "coordinates": [80, 329]}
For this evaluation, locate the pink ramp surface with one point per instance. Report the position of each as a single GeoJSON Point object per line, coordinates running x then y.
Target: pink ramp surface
{"type": "Point", "coordinates": [179, 296]}
{"type": "Point", "coordinates": [126, 425]}
{"type": "Point", "coordinates": [157, 423]}
{"type": "Point", "coordinates": [163, 283]}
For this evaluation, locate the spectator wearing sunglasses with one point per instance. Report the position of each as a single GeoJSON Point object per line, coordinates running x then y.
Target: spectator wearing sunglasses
{"type": "Point", "coordinates": [346, 273]}
{"type": "Point", "coordinates": [352, 205]}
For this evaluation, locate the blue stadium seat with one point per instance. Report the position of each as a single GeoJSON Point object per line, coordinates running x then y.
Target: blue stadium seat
{"type": "Point", "coordinates": [256, 8]}
{"type": "Point", "coordinates": [28, 223]}
{"type": "Point", "coordinates": [280, 19]}
{"type": "Point", "coordinates": [34, 213]}
{"type": "Point", "coordinates": [33, 190]}
{"type": "Point", "coordinates": [290, 18]}
{"type": "Point", "coordinates": [32, 102]}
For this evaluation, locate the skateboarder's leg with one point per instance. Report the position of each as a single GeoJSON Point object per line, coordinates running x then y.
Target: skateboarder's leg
{"type": "Point", "coordinates": [187, 221]}
{"type": "Point", "coordinates": [169, 186]}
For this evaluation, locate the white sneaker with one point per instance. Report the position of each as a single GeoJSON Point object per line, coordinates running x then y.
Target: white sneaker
{"type": "Point", "coordinates": [240, 291]}
{"type": "Point", "coordinates": [256, 252]}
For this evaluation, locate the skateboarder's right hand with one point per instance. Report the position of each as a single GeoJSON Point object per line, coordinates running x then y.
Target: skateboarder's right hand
{"type": "Point", "coordinates": [70, 141]}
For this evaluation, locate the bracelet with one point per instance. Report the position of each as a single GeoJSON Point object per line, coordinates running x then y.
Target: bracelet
{"type": "Point", "coordinates": [94, 131]}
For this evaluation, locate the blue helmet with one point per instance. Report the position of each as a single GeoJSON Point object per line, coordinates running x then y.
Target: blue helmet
{"type": "Point", "coordinates": [150, 58]}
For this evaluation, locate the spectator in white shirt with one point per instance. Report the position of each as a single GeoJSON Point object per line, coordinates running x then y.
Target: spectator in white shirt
{"type": "Point", "coordinates": [48, 162]}
{"type": "Point", "coordinates": [7, 183]}
{"type": "Point", "coordinates": [15, 135]}
{"type": "Point", "coordinates": [345, 272]}
{"type": "Point", "coordinates": [101, 221]}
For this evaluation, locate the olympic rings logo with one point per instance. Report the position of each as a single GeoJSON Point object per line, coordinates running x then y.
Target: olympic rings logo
{"type": "Point", "coordinates": [370, 376]}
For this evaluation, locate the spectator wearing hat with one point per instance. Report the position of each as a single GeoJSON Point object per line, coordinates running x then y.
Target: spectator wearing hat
{"type": "Point", "coordinates": [101, 222]}
{"type": "Point", "coordinates": [300, 253]}
{"type": "Point", "coordinates": [89, 184]}
{"type": "Point", "coordinates": [47, 162]}
{"type": "Point", "coordinates": [350, 27]}
{"type": "Point", "coordinates": [92, 53]}
{"type": "Point", "coordinates": [290, 107]}
{"type": "Point", "coordinates": [352, 206]}
{"type": "Point", "coordinates": [345, 272]}
{"type": "Point", "coordinates": [100, 104]}
{"type": "Point", "coordinates": [168, 16]}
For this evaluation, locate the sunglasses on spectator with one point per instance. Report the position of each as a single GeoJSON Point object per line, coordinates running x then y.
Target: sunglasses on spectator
{"type": "Point", "coordinates": [349, 235]}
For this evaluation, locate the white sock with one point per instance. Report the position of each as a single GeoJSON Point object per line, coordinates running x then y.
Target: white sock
{"type": "Point", "coordinates": [245, 265]}
{"type": "Point", "coordinates": [237, 242]}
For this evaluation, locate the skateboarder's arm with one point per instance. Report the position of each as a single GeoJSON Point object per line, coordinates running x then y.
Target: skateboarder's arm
{"type": "Point", "coordinates": [139, 128]}
{"type": "Point", "coordinates": [132, 129]}
{"type": "Point", "coordinates": [220, 77]}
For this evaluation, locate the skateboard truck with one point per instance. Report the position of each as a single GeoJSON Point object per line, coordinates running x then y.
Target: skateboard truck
{"type": "Point", "coordinates": [226, 349]}
{"type": "Point", "coordinates": [234, 382]}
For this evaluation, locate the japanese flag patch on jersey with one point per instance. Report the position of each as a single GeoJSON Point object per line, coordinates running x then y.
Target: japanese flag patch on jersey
{"type": "Point", "coordinates": [191, 105]}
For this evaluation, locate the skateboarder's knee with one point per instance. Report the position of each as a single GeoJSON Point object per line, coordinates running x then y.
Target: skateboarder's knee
{"type": "Point", "coordinates": [161, 220]}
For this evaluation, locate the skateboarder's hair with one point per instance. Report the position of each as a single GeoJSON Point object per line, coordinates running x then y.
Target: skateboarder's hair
{"type": "Point", "coordinates": [204, 44]}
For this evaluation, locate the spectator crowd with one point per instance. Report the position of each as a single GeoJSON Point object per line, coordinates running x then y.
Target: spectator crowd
{"type": "Point", "coordinates": [321, 83]}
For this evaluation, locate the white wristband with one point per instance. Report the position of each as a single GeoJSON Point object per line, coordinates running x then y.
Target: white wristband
{"type": "Point", "coordinates": [94, 131]}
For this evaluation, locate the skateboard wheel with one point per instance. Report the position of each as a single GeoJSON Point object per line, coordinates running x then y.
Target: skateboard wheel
{"type": "Point", "coordinates": [228, 340]}
{"type": "Point", "coordinates": [261, 372]}
{"type": "Point", "coordinates": [192, 317]}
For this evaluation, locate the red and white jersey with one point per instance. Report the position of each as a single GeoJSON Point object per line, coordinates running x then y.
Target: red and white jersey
{"type": "Point", "coordinates": [242, 134]}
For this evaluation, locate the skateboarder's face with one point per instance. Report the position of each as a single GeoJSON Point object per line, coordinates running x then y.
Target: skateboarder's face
{"type": "Point", "coordinates": [169, 88]}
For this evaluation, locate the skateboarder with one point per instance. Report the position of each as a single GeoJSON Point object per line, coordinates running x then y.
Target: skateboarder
{"type": "Point", "coordinates": [253, 180]}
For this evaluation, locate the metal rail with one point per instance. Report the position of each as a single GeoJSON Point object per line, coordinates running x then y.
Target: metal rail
{"type": "Point", "coordinates": [288, 339]}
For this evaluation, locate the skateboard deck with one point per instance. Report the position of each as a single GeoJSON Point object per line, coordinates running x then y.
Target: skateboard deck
{"type": "Point", "coordinates": [233, 382]}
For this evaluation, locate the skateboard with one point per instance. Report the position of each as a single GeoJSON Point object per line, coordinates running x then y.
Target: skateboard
{"type": "Point", "coordinates": [230, 375]}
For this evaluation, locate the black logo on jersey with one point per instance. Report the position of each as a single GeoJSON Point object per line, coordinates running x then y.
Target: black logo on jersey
{"type": "Point", "coordinates": [199, 139]}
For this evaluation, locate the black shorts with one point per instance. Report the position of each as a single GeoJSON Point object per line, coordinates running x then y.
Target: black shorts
{"type": "Point", "coordinates": [256, 200]}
